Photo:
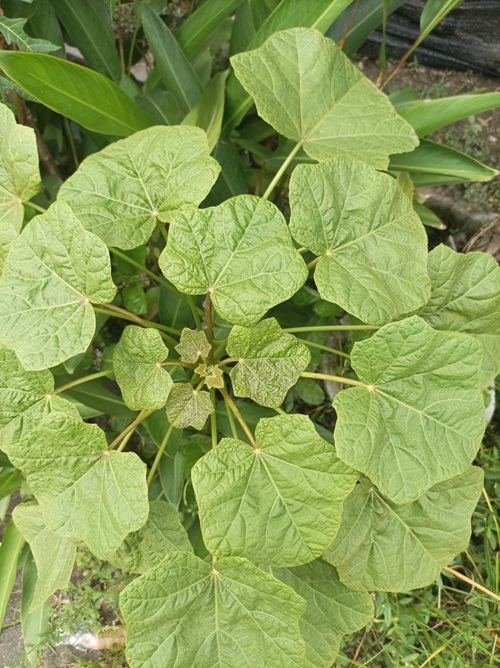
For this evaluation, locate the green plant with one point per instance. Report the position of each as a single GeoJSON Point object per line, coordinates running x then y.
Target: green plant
{"type": "Point", "coordinates": [262, 546]}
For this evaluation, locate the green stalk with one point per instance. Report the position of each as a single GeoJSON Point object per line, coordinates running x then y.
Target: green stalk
{"type": "Point", "coordinates": [159, 454]}
{"type": "Point", "coordinates": [334, 379]}
{"type": "Point", "coordinates": [35, 207]}
{"type": "Point", "coordinates": [232, 406]}
{"type": "Point", "coordinates": [213, 419]}
{"type": "Point", "coordinates": [125, 315]}
{"type": "Point", "coordinates": [331, 328]}
{"type": "Point", "coordinates": [327, 349]}
{"type": "Point", "coordinates": [142, 416]}
{"type": "Point", "coordinates": [86, 379]}
{"type": "Point", "coordinates": [281, 171]}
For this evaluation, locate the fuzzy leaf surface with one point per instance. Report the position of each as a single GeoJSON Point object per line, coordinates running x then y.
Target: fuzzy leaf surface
{"type": "Point", "coordinates": [309, 91]}
{"type": "Point", "coordinates": [240, 252]}
{"type": "Point", "coordinates": [120, 192]}
{"type": "Point", "coordinates": [386, 547]}
{"type": "Point", "coordinates": [136, 363]}
{"type": "Point", "coordinates": [144, 549]}
{"type": "Point", "coordinates": [186, 613]}
{"type": "Point", "coordinates": [466, 298]}
{"type": "Point", "coordinates": [332, 611]}
{"type": "Point", "coordinates": [193, 345]}
{"type": "Point", "coordinates": [54, 555]}
{"type": "Point", "coordinates": [86, 492]}
{"type": "Point", "coordinates": [371, 245]}
{"type": "Point", "coordinates": [188, 407]}
{"type": "Point", "coordinates": [54, 269]}
{"type": "Point", "coordinates": [269, 362]}
{"type": "Point", "coordinates": [278, 503]}
{"type": "Point", "coordinates": [19, 173]}
{"type": "Point", "coordinates": [420, 418]}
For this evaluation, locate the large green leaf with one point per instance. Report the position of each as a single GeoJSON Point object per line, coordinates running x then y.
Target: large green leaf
{"type": "Point", "coordinates": [86, 492]}
{"type": "Point", "coordinates": [75, 91]}
{"type": "Point", "coordinates": [146, 548]}
{"type": "Point", "coordinates": [419, 418]}
{"type": "Point", "coordinates": [279, 503]}
{"type": "Point", "coordinates": [14, 33]}
{"type": "Point", "coordinates": [120, 192]}
{"type": "Point", "coordinates": [240, 252]}
{"type": "Point", "coordinates": [19, 173]}
{"type": "Point", "coordinates": [350, 116]}
{"type": "Point", "coordinates": [371, 245]}
{"type": "Point", "coordinates": [187, 613]}
{"type": "Point", "coordinates": [332, 611]}
{"type": "Point", "coordinates": [466, 298]}
{"type": "Point", "coordinates": [269, 362]}
{"type": "Point", "coordinates": [70, 268]}
{"type": "Point", "coordinates": [188, 407]}
{"type": "Point", "coordinates": [137, 365]}
{"type": "Point", "coordinates": [387, 547]}
{"type": "Point", "coordinates": [54, 555]}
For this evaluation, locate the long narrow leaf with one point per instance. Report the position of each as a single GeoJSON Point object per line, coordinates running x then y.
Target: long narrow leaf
{"type": "Point", "coordinates": [74, 91]}
{"type": "Point", "coordinates": [34, 624]}
{"type": "Point", "coordinates": [9, 553]}
{"type": "Point", "coordinates": [199, 27]}
{"type": "Point", "coordinates": [208, 113]}
{"type": "Point", "coordinates": [434, 12]}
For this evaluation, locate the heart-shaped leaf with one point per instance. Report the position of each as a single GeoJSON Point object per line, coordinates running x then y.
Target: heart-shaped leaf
{"type": "Point", "coordinates": [188, 407]}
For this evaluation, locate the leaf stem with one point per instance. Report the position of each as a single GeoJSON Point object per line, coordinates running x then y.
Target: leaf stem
{"type": "Point", "coordinates": [159, 454]}
{"type": "Point", "coordinates": [35, 207]}
{"type": "Point", "coordinates": [142, 416]}
{"type": "Point", "coordinates": [281, 170]}
{"type": "Point", "coordinates": [126, 315]}
{"type": "Point", "coordinates": [331, 328]}
{"type": "Point", "coordinates": [163, 229]}
{"type": "Point", "coordinates": [208, 324]}
{"type": "Point", "coordinates": [319, 346]}
{"type": "Point", "coordinates": [313, 263]}
{"type": "Point", "coordinates": [334, 379]}
{"type": "Point", "coordinates": [220, 348]}
{"type": "Point", "coordinates": [234, 409]}
{"type": "Point", "coordinates": [280, 411]}
{"type": "Point", "coordinates": [85, 379]}
{"type": "Point", "coordinates": [213, 419]}
{"type": "Point", "coordinates": [228, 360]}
{"type": "Point", "coordinates": [473, 584]}
{"type": "Point", "coordinates": [187, 365]}
{"type": "Point", "coordinates": [222, 325]}
{"type": "Point", "coordinates": [124, 442]}
{"type": "Point", "coordinates": [195, 311]}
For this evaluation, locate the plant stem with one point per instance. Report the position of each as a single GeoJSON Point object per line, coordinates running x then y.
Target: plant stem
{"type": "Point", "coordinates": [228, 360]}
{"type": "Point", "coordinates": [195, 311]}
{"type": "Point", "coordinates": [334, 379]}
{"type": "Point", "coordinates": [132, 47]}
{"type": "Point", "coordinates": [473, 584]}
{"type": "Point", "coordinates": [333, 351]}
{"type": "Point", "coordinates": [178, 363]}
{"type": "Point", "coordinates": [331, 328]}
{"type": "Point", "coordinates": [313, 263]}
{"type": "Point", "coordinates": [86, 379]}
{"type": "Point", "coordinates": [71, 142]}
{"type": "Point", "coordinates": [159, 454]}
{"type": "Point", "coordinates": [126, 315]}
{"type": "Point", "coordinates": [142, 416]}
{"type": "Point", "coordinates": [281, 170]}
{"type": "Point", "coordinates": [220, 348]}
{"type": "Point", "coordinates": [222, 325]}
{"type": "Point", "coordinates": [280, 411]}
{"type": "Point", "coordinates": [124, 442]}
{"type": "Point", "coordinates": [232, 406]}
{"type": "Point", "coordinates": [163, 229]}
{"type": "Point", "coordinates": [232, 425]}
{"type": "Point", "coordinates": [208, 325]}
{"type": "Point", "coordinates": [213, 419]}
{"type": "Point", "coordinates": [35, 207]}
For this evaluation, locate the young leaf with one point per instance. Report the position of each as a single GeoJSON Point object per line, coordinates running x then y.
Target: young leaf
{"type": "Point", "coordinates": [371, 244]}
{"type": "Point", "coordinates": [466, 298]}
{"type": "Point", "coordinates": [187, 613]}
{"type": "Point", "coordinates": [70, 268]}
{"type": "Point", "coordinates": [351, 118]}
{"type": "Point", "coordinates": [269, 362]}
{"type": "Point", "coordinates": [332, 611]}
{"type": "Point", "coordinates": [420, 417]}
{"type": "Point", "coordinates": [146, 548]}
{"type": "Point", "coordinates": [193, 345]}
{"type": "Point", "coordinates": [279, 503]}
{"type": "Point", "coordinates": [387, 547]}
{"type": "Point", "coordinates": [137, 365]}
{"type": "Point", "coordinates": [13, 31]}
{"type": "Point", "coordinates": [187, 407]}
{"type": "Point", "coordinates": [54, 555]}
{"type": "Point", "coordinates": [212, 375]}
{"type": "Point", "coordinates": [239, 252]}
{"type": "Point", "coordinates": [119, 192]}
{"type": "Point", "coordinates": [87, 493]}
{"type": "Point", "coordinates": [19, 173]}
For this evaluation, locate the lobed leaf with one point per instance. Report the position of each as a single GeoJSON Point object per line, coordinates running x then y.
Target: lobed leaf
{"type": "Point", "coordinates": [70, 268]}
{"type": "Point", "coordinates": [193, 345]}
{"type": "Point", "coordinates": [137, 366]}
{"type": "Point", "coordinates": [240, 252]}
{"type": "Point", "coordinates": [269, 362]}
{"type": "Point", "coordinates": [120, 192]}
{"type": "Point", "coordinates": [86, 492]}
{"type": "Point", "coordinates": [291, 80]}
{"type": "Point", "coordinates": [387, 547]}
{"type": "Point", "coordinates": [186, 613]}
{"type": "Point", "coordinates": [188, 407]}
{"type": "Point", "coordinates": [419, 419]}
{"type": "Point", "coordinates": [278, 503]}
{"type": "Point", "coordinates": [371, 245]}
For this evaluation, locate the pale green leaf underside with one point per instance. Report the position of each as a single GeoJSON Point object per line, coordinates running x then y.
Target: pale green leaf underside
{"type": "Point", "coordinates": [8, 234]}
{"type": "Point", "coordinates": [269, 362]}
{"type": "Point", "coordinates": [420, 418]}
{"type": "Point", "coordinates": [278, 504]}
{"type": "Point", "coordinates": [120, 192]}
{"type": "Point", "coordinates": [137, 358]}
{"type": "Point", "coordinates": [54, 269]}
{"type": "Point", "coordinates": [309, 91]}
{"type": "Point", "coordinates": [333, 610]}
{"type": "Point", "coordinates": [86, 492]}
{"type": "Point", "coordinates": [240, 252]}
{"type": "Point", "coordinates": [387, 547]}
{"type": "Point", "coordinates": [193, 345]}
{"type": "Point", "coordinates": [144, 549]}
{"type": "Point", "coordinates": [186, 613]}
{"type": "Point", "coordinates": [188, 407]}
{"type": "Point", "coordinates": [19, 173]}
{"type": "Point", "coordinates": [14, 33]}
{"type": "Point", "coordinates": [54, 555]}
{"type": "Point", "coordinates": [466, 298]}
{"type": "Point", "coordinates": [372, 245]}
